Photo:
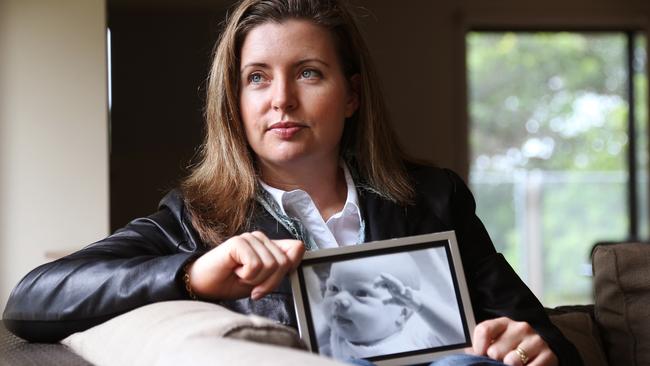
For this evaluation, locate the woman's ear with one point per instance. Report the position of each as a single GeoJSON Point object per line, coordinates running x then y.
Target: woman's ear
{"type": "Point", "coordinates": [352, 103]}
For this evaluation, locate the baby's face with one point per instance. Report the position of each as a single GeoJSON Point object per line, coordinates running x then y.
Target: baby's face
{"type": "Point", "coordinates": [355, 307]}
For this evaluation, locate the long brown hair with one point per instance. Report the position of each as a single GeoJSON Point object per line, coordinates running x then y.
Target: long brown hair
{"type": "Point", "coordinates": [220, 192]}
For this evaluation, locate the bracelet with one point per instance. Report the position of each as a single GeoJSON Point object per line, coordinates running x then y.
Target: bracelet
{"type": "Point", "coordinates": [186, 280]}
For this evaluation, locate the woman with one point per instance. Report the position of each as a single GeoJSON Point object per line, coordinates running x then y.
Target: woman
{"type": "Point", "coordinates": [298, 155]}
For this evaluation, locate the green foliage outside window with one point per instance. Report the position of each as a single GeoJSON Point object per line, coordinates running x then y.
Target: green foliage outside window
{"type": "Point", "coordinates": [548, 115]}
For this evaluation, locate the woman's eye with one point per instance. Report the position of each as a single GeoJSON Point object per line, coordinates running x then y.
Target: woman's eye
{"type": "Point", "coordinates": [309, 74]}
{"type": "Point", "coordinates": [255, 78]}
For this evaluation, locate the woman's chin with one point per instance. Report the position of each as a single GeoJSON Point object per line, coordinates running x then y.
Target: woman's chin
{"type": "Point", "coordinates": [295, 159]}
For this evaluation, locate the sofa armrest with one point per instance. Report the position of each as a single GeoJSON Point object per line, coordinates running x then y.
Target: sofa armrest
{"type": "Point", "coordinates": [191, 333]}
{"type": "Point", "coordinates": [579, 327]}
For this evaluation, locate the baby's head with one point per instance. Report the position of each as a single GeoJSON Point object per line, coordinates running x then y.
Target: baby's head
{"type": "Point", "coordinates": [356, 307]}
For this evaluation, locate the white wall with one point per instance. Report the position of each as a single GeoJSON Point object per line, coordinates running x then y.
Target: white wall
{"type": "Point", "coordinates": [53, 131]}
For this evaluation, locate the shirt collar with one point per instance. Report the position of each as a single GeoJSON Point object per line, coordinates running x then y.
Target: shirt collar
{"type": "Point", "coordinates": [351, 201]}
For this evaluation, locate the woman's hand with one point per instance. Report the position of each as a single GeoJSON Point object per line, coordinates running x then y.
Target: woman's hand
{"type": "Point", "coordinates": [249, 264]}
{"type": "Point", "coordinates": [511, 342]}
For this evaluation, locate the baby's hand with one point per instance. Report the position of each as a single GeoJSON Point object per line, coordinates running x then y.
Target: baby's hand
{"type": "Point", "coordinates": [400, 294]}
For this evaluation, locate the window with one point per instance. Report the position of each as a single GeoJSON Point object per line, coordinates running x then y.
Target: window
{"type": "Point", "coordinates": [558, 150]}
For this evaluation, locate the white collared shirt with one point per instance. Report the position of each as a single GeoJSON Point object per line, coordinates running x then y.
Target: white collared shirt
{"type": "Point", "coordinates": [341, 229]}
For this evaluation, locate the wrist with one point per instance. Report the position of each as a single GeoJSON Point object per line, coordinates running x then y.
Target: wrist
{"type": "Point", "coordinates": [418, 306]}
{"type": "Point", "coordinates": [187, 280]}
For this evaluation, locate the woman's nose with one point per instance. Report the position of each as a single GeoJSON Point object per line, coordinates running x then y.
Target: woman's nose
{"type": "Point", "coordinates": [284, 95]}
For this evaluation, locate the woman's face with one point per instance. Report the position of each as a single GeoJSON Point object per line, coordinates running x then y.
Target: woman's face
{"type": "Point", "coordinates": [294, 97]}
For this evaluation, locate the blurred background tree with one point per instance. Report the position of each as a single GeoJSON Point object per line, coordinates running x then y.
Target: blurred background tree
{"type": "Point", "coordinates": [549, 138]}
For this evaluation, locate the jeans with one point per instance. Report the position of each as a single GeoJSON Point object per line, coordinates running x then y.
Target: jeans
{"type": "Point", "coordinates": [453, 360]}
{"type": "Point", "coordinates": [466, 360]}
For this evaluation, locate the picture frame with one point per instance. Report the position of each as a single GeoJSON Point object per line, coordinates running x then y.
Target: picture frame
{"type": "Point", "coordinates": [392, 302]}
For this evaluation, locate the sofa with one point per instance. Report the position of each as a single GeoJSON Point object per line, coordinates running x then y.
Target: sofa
{"type": "Point", "coordinates": [613, 331]}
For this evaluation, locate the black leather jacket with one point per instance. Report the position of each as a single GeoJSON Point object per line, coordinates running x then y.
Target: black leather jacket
{"type": "Point", "coordinates": [142, 263]}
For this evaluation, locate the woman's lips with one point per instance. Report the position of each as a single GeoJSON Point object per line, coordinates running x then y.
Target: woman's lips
{"type": "Point", "coordinates": [286, 130]}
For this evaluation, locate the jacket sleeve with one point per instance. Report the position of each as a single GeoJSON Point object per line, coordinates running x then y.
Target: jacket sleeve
{"type": "Point", "coordinates": [495, 288]}
{"type": "Point", "coordinates": [137, 265]}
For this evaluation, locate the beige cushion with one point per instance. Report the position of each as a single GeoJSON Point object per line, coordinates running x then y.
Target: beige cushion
{"type": "Point", "coordinates": [579, 329]}
{"type": "Point", "coordinates": [622, 302]}
{"type": "Point", "coordinates": [191, 333]}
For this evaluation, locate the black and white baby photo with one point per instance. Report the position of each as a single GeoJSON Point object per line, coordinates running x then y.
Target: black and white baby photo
{"type": "Point", "coordinates": [384, 304]}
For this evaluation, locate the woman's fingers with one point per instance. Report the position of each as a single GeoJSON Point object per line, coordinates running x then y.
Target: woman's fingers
{"type": "Point", "coordinates": [294, 249]}
{"type": "Point", "coordinates": [212, 275]}
{"type": "Point", "coordinates": [265, 262]}
{"type": "Point", "coordinates": [513, 359]}
{"type": "Point", "coordinates": [258, 260]}
{"type": "Point", "coordinates": [514, 343]}
{"type": "Point", "coordinates": [533, 350]}
{"type": "Point", "coordinates": [282, 261]}
{"type": "Point", "coordinates": [544, 358]}
{"type": "Point", "coordinates": [509, 339]}
{"type": "Point", "coordinates": [486, 332]}
{"type": "Point", "coordinates": [278, 269]}
{"type": "Point", "coordinates": [249, 264]}
{"type": "Point", "coordinates": [289, 253]}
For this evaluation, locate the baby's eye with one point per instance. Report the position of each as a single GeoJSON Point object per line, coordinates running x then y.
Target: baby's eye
{"type": "Point", "coordinates": [332, 289]}
{"type": "Point", "coordinates": [310, 74]}
{"type": "Point", "coordinates": [361, 293]}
